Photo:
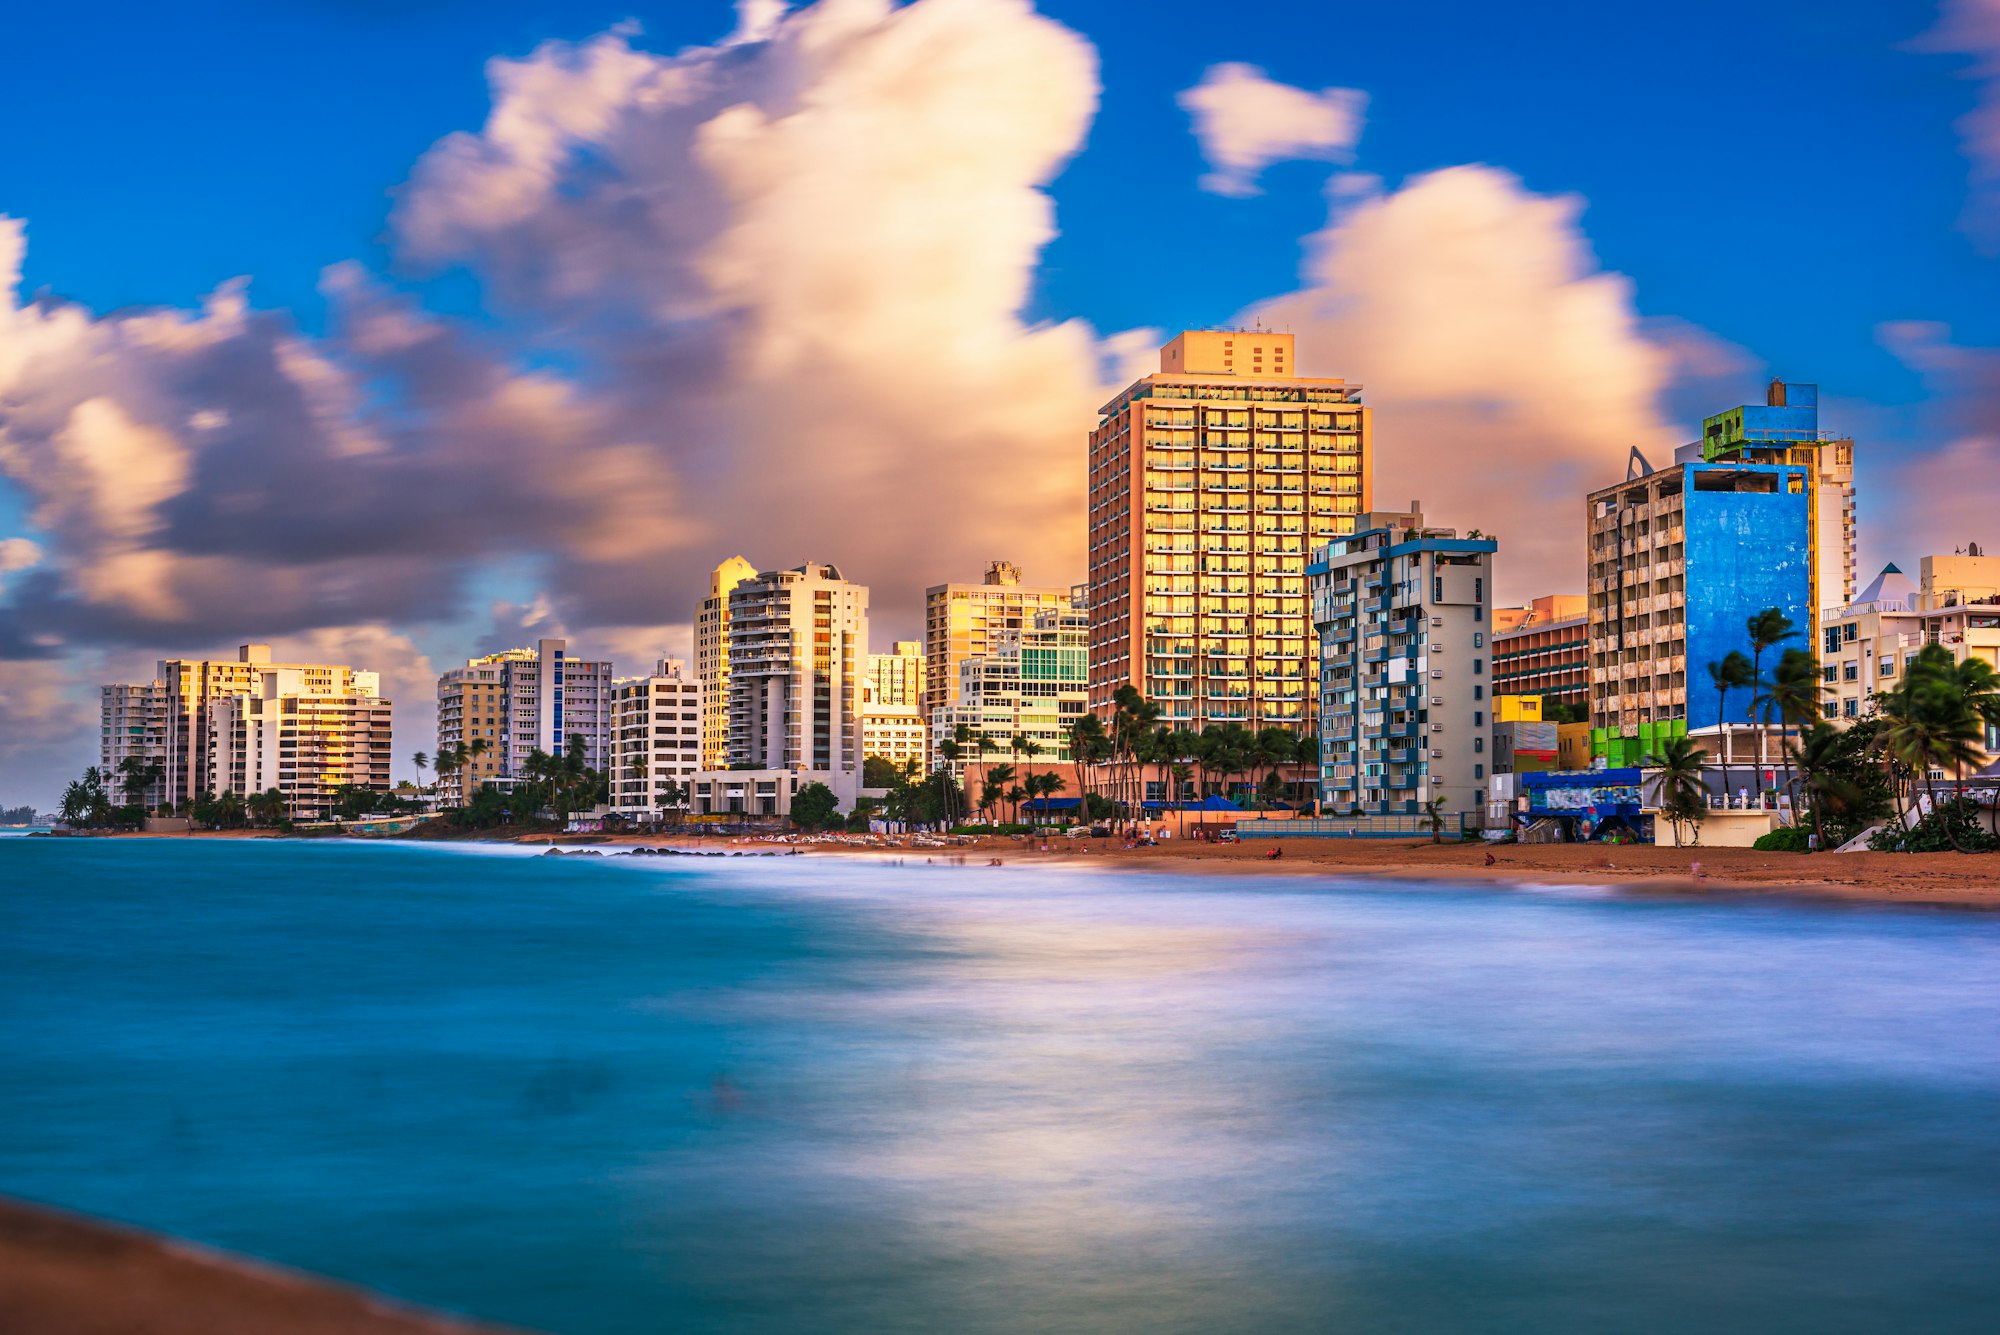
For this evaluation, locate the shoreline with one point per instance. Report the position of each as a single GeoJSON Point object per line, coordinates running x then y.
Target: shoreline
{"type": "Point", "coordinates": [1933, 880]}
{"type": "Point", "coordinates": [63, 1273]}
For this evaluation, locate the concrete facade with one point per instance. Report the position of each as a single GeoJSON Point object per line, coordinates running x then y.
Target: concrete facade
{"type": "Point", "coordinates": [306, 744]}
{"type": "Point", "coordinates": [655, 739]}
{"type": "Point", "coordinates": [711, 658]}
{"type": "Point", "coordinates": [1404, 701]}
{"type": "Point", "coordinates": [1210, 484]}
{"type": "Point", "coordinates": [1033, 684]}
{"type": "Point", "coordinates": [798, 658]}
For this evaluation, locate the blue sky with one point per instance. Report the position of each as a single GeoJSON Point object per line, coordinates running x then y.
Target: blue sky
{"type": "Point", "coordinates": [1776, 182]}
{"type": "Point", "coordinates": [1784, 175]}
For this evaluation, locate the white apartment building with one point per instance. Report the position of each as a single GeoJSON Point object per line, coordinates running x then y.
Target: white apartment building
{"type": "Point", "coordinates": [173, 708]}
{"type": "Point", "coordinates": [897, 677]}
{"type": "Point", "coordinates": [1404, 708]}
{"type": "Point", "coordinates": [798, 659]}
{"type": "Point", "coordinates": [655, 739]}
{"type": "Point", "coordinates": [894, 732]}
{"type": "Point", "coordinates": [1867, 646]}
{"type": "Point", "coordinates": [133, 725]}
{"type": "Point", "coordinates": [520, 701]}
{"type": "Point", "coordinates": [307, 745]}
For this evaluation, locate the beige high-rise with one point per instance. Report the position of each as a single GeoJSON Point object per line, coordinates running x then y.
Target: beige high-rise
{"type": "Point", "coordinates": [306, 744]}
{"type": "Point", "coordinates": [711, 658]}
{"type": "Point", "coordinates": [964, 621]}
{"type": "Point", "coordinates": [1210, 485]}
{"type": "Point", "coordinates": [178, 701]}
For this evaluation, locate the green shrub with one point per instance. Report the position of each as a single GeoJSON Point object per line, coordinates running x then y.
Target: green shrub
{"type": "Point", "coordinates": [1005, 828]}
{"type": "Point", "coordinates": [1930, 835]}
{"type": "Point", "coordinates": [1784, 839]}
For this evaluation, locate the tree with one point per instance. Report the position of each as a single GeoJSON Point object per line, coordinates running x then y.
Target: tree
{"type": "Point", "coordinates": [814, 807]}
{"type": "Point", "coordinates": [421, 762]}
{"type": "Point", "coordinates": [1793, 693]}
{"type": "Point", "coordinates": [1182, 772]}
{"type": "Point", "coordinates": [268, 807]}
{"type": "Point", "coordinates": [1734, 672]}
{"type": "Point", "coordinates": [1029, 749]}
{"type": "Point", "coordinates": [137, 777]}
{"type": "Point", "coordinates": [879, 772]}
{"type": "Point", "coordinates": [1928, 724]}
{"type": "Point", "coordinates": [1087, 746]}
{"type": "Point", "coordinates": [1675, 786]}
{"type": "Point", "coordinates": [993, 788]}
{"type": "Point", "coordinates": [1767, 629]}
{"type": "Point", "coordinates": [1434, 811]}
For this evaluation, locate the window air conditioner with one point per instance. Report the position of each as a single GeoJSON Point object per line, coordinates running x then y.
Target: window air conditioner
{"type": "Point", "coordinates": [1437, 673]}
{"type": "Point", "coordinates": [1437, 699]}
{"type": "Point", "coordinates": [1437, 755]}
{"type": "Point", "coordinates": [1437, 621]}
{"type": "Point", "coordinates": [1437, 727]}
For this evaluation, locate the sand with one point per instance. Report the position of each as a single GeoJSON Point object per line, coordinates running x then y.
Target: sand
{"type": "Point", "coordinates": [61, 1274]}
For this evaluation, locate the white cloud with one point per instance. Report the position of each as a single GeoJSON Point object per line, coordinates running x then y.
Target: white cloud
{"type": "Point", "coordinates": [1245, 121]}
{"type": "Point", "coordinates": [1509, 374]}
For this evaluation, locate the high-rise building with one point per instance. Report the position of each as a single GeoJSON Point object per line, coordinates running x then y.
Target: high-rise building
{"type": "Point", "coordinates": [178, 699]}
{"type": "Point", "coordinates": [307, 744]}
{"type": "Point", "coordinates": [133, 725]}
{"type": "Point", "coordinates": [1680, 560]}
{"type": "Point", "coordinates": [1033, 684]}
{"type": "Point", "coordinates": [711, 658]}
{"type": "Point", "coordinates": [1785, 429]}
{"type": "Point", "coordinates": [798, 655]}
{"type": "Point", "coordinates": [895, 733]}
{"type": "Point", "coordinates": [534, 700]}
{"type": "Point", "coordinates": [964, 621]}
{"type": "Point", "coordinates": [897, 677]}
{"type": "Point", "coordinates": [1401, 611]}
{"type": "Point", "coordinates": [655, 738]}
{"type": "Point", "coordinates": [1211, 482]}
{"type": "Point", "coordinates": [1544, 649]}
{"type": "Point", "coordinates": [1866, 647]}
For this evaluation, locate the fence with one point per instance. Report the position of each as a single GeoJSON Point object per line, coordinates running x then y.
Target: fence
{"type": "Point", "coordinates": [1457, 825]}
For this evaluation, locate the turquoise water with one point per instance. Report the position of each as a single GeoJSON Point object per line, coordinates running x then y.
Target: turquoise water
{"type": "Point", "coordinates": [609, 1096]}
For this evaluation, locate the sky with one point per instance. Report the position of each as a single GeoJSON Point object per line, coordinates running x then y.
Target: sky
{"type": "Point", "coordinates": [393, 333]}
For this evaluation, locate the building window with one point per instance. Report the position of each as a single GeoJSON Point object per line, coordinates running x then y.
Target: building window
{"type": "Point", "coordinates": [1478, 691]}
{"type": "Point", "coordinates": [1850, 671]}
{"type": "Point", "coordinates": [1478, 666]}
{"type": "Point", "coordinates": [1478, 743]}
{"type": "Point", "coordinates": [1832, 645]}
{"type": "Point", "coordinates": [1848, 707]}
{"type": "Point", "coordinates": [1479, 771]}
{"type": "Point", "coordinates": [1478, 718]}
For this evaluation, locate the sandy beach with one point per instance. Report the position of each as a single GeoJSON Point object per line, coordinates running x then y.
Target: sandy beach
{"type": "Point", "coordinates": [62, 1274]}
{"type": "Point", "coordinates": [1936, 879]}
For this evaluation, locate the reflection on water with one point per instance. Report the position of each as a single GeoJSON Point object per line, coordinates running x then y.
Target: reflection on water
{"type": "Point", "coordinates": [802, 1095]}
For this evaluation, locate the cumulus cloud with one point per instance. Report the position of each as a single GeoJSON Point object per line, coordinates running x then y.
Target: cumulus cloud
{"type": "Point", "coordinates": [1972, 27]}
{"type": "Point", "coordinates": [1508, 373]}
{"type": "Point", "coordinates": [803, 259]}
{"type": "Point", "coordinates": [1245, 121]}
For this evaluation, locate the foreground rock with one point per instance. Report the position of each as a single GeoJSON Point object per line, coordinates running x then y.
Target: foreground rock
{"type": "Point", "coordinates": [64, 1275]}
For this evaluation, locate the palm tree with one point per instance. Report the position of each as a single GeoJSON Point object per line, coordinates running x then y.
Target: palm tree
{"type": "Point", "coordinates": [1767, 629]}
{"type": "Point", "coordinates": [1434, 809]}
{"type": "Point", "coordinates": [1182, 772]}
{"type": "Point", "coordinates": [1052, 783]}
{"type": "Point", "coordinates": [1029, 748]}
{"type": "Point", "coordinates": [1793, 693]}
{"type": "Point", "coordinates": [1927, 725]}
{"type": "Point", "coordinates": [1086, 743]}
{"type": "Point", "coordinates": [1676, 787]}
{"type": "Point", "coordinates": [1734, 672]}
{"type": "Point", "coordinates": [1815, 761]}
{"type": "Point", "coordinates": [422, 762]}
{"type": "Point", "coordinates": [993, 788]}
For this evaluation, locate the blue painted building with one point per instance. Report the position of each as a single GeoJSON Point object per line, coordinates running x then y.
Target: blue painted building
{"type": "Point", "coordinates": [1680, 559]}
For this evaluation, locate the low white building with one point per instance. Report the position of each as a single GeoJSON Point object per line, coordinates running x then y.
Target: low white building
{"type": "Point", "coordinates": [655, 740]}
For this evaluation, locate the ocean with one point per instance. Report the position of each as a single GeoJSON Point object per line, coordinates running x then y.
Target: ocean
{"type": "Point", "coordinates": [623, 1095]}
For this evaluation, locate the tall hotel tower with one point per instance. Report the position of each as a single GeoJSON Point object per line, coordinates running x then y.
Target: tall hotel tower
{"type": "Point", "coordinates": [1211, 483]}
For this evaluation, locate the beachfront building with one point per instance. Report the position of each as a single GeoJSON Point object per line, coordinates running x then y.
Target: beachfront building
{"type": "Point", "coordinates": [1785, 429]}
{"type": "Point", "coordinates": [711, 658]}
{"type": "Point", "coordinates": [1543, 649]}
{"type": "Point", "coordinates": [893, 732]}
{"type": "Point", "coordinates": [1680, 559]}
{"type": "Point", "coordinates": [1402, 615]}
{"type": "Point", "coordinates": [963, 621]}
{"type": "Point", "coordinates": [307, 744]}
{"type": "Point", "coordinates": [520, 701]}
{"type": "Point", "coordinates": [1210, 484]}
{"type": "Point", "coordinates": [897, 677]}
{"type": "Point", "coordinates": [1033, 686]}
{"type": "Point", "coordinates": [655, 739]}
{"type": "Point", "coordinates": [798, 658]}
{"type": "Point", "coordinates": [173, 708]}
{"type": "Point", "coordinates": [132, 725]}
{"type": "Point", "coordinates": [1867, 646]}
